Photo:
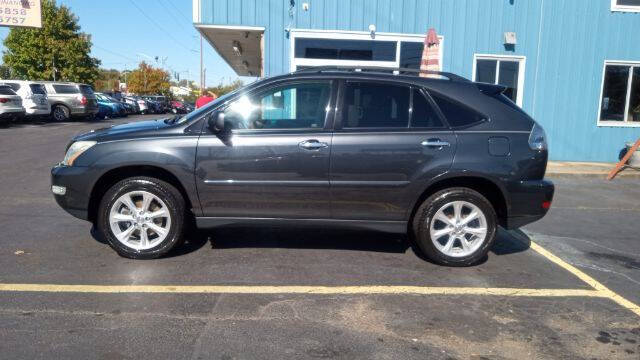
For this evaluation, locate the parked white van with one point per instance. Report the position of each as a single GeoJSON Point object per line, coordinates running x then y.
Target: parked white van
{"type": "Point", "coordinates": [33, 94]}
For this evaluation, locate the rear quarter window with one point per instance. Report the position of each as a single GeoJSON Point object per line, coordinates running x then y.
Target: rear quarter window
{"type": "Point", "coordinates": [457, 114]}
{"type": "Point", "coordinates": [65, 89]}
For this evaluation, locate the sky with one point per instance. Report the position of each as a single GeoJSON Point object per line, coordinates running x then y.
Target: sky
{"type": "Point", "coordinates": [125, 32]}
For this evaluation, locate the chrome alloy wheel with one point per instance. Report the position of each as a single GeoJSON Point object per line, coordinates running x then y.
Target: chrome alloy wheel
{"type": "Point", "coordinates": [458, 229]}
{"type": "Point", "coordinates": [139, 220]}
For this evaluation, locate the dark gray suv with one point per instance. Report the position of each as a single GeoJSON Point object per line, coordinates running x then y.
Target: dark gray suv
{"type": "Point", "coordinates": [443, 159]}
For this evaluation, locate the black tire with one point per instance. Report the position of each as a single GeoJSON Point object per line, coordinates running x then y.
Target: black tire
{"type": "Point", "coordinates": [60, 113]}
{"type": "Point", "coordinates": [424, 216]}
{"type": "Point", "coordinates": [163, 190]}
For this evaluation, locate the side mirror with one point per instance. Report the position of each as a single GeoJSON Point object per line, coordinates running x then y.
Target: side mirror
{"type": "Point", "coordinates": [216, 122]}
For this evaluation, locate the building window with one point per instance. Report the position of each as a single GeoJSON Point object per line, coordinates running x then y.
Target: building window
{"type": "Point", "coordinates": [620, 99]}
{"type": "Point", "coordinates": [356, 48]}
{"type": "Point", "coordinates": [502, 70]}
{"type": "Point", "coordinates": [345, 49]}
{"type": "Point", "coordinates": [625, 5]}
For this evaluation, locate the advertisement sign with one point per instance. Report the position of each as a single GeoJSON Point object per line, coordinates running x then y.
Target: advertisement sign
{"type": "Point", "coordinates": [20, 13]}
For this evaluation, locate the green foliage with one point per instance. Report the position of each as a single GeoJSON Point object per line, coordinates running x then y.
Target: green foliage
{"type": "Point", "coordinates": [222, 89]}
{"type": "Point", "coordinates": [147, 80]}
{"type": "Point", "coordinates": [30, 53]}
{"type": "Point", "coordinates": [108, 80]}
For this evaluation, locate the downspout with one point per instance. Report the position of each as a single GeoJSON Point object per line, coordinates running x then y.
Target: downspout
{"type": "Point", "coordinates": [535, 84]}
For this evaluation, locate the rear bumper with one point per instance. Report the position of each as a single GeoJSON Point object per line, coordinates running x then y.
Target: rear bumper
{"type": "Point", "coordinates": [73, 180]}
{"type": "Point", "coordinates": [9, 113]}
{"type": "Point", "coordinates": [529, 202]}
{"type": "Point", "coordinates": [84, 111]}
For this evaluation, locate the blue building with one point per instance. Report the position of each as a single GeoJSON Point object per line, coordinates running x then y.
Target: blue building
{"type": "Point", "coordinates": [573, 65]}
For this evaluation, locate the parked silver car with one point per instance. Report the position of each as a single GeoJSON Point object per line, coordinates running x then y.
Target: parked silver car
{"type": "Point", "coordinates": [33, 94]}
{"type": "Point", "coordinates": [71, 100]}
{"type": "Point", "coordinates": [10, 104]}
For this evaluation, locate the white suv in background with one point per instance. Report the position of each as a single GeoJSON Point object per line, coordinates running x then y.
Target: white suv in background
{"type": "Point", "coordinates": [33, 94]}
{"type": "Point", "coordinates": [10, 103]}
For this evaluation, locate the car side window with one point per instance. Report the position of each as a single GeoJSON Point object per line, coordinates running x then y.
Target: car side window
{"type": "Point", "coordinates": [457, 115]}
{"type": "Point", "coordinates": [375, 105]}
{"type": "Point", "coordinates": [293, 106]}
{"type": "Point", "coordinates": [65, 89]}
{"type": "Point", "coordinates": [423, 114]}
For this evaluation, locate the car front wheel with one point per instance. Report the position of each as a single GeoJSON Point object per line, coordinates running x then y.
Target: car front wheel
{"type": "Point", "coordinates": [141, 217]}
{"type": "Point", "coordinates": [455, 226]}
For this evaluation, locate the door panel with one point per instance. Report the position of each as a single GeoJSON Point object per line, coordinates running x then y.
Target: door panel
{"type": "Point", "coordinates": [264, 175]}
{"type": "Point", "coordinates": [377, 176]}
{"type": "Point", "coordinates": [389, 143]}
{"type": "Point", "coordinates": [273, 161]}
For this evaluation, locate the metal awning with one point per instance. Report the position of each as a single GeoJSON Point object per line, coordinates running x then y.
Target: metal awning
{"type": "Point", "coordinates": [240, 46]}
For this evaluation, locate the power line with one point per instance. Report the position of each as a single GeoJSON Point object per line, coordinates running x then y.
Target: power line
{"type": "Point", "coordinates": [179, 11]}
{"type": "Point", "coordinates": [169, 12]}
{"type": "Point", "coordinates": [114, 53]}
{"type": "Point", "coordinates": [158, 26]}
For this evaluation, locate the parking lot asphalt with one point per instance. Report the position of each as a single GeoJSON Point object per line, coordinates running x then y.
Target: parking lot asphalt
{"type": "Point", "coordinates": [269, 293]}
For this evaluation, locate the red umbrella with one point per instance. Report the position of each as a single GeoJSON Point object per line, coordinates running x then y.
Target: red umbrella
{"type": "Point", "coordinates": [430, 53]}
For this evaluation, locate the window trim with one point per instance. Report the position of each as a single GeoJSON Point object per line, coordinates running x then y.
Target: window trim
{"type": "Point", "coordinates": [522, 62]}
{"type": "Point", "coordinates": [328, 119]}
{"type": "Point", "coordinates": [352, 35]}
{"type": "Point", "coordinates": [624, 8]}
{"type": "Point", "coordinates": [425, 94]}
{"type": "Point", "coordinates": [624, 122]}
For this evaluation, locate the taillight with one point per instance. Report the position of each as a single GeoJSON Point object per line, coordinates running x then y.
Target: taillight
{"type": "Point", "coordinates": [546, 205]}
{"type": "Point", "coordinates": [537, 138]}
{"type": "Point", "coordinates": [83, 100]}
{"type": "Point", "coordinates": [4, 100]}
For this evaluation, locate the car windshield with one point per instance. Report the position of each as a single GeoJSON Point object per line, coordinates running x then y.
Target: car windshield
{"type": "Point", "coordinates": [86, 89]}
{"type": "Point", "coordinates": [38, 89]}
{"type": "Point", "coordinates": [196, 114]}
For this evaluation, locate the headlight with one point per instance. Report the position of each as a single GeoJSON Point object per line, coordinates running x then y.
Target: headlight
{"type": "Point", "coordinates": [75, 150]}
{"type": "Point", "coordinates": [537, 138]}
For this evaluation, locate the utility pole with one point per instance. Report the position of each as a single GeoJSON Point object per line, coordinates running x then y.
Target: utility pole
{"type": "Point", "coordinates": [201, 68]}
{"type": "Point", "coordinates": [54, 67]}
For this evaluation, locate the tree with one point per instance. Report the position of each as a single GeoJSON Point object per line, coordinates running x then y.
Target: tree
{"type": "Point", "coordinates": [32, 53]}
{"type": "Point", "coordinates": [148, 80]}
{"type": "Point", "coordinates": [108, 80]}
{"type": "Point", "coordinates": [222, 89]}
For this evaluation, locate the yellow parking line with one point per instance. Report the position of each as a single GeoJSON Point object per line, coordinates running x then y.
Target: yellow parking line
{"type": "Point", "coordinates": [603, 290]}
{"type": "Point", "coordinates": [331, 290]}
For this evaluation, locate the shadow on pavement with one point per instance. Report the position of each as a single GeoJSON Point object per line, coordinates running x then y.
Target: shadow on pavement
{"type": "Point", "coordinates": [507, 242]}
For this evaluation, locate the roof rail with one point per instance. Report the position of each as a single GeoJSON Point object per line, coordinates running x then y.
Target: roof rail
{"type": "Point", "coordinates": [324, 68]}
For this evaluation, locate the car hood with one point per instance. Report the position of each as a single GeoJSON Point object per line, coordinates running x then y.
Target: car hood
{"type": "Point", "coordinates": [129, 130]}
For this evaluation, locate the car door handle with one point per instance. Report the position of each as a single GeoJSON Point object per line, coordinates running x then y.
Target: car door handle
{"type": "Point", "coordinates": [437, 143]}
{"type": "Point", "coordinates": [312, 145]}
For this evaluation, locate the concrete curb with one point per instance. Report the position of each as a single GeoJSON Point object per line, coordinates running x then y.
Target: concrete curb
{"type": "Point", "coordinates": [624, 174]}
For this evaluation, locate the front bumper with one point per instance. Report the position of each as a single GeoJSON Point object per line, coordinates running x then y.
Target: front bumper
{"type": "Point", "coordinates": [73, 179]}
{"type": "Point", "coordinates": [529, 202]}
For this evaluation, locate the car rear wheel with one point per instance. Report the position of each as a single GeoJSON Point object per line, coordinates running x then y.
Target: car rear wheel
{"type": "Point", "coordinates": [60, 113]}
{"type": "Point", "coordinates": [141, 217]}
{"type": "Point", "coordinates": [455, 226]}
